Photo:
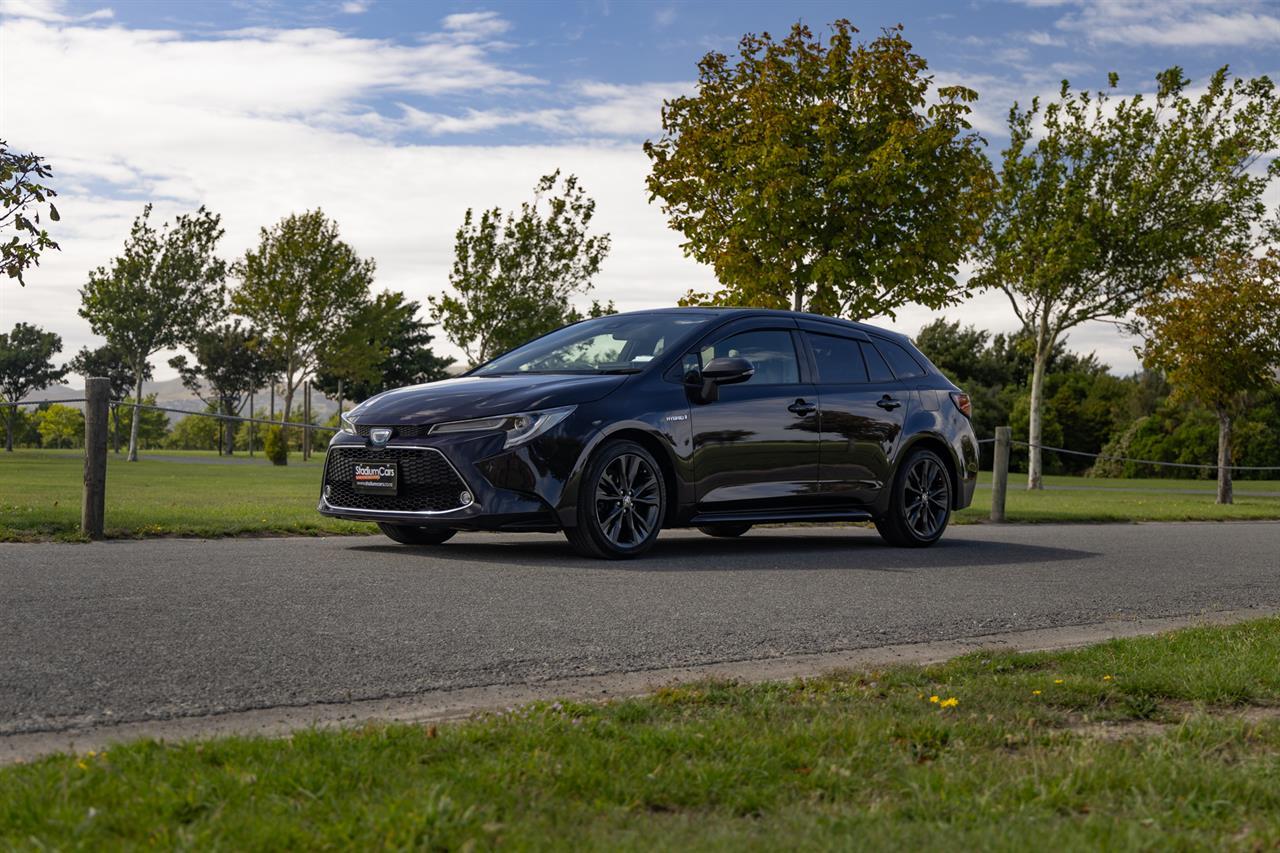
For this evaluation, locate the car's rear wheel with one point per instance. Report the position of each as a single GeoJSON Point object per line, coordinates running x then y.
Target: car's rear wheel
{"type": "Point", "coordinates": [920, 505]}
{"type": "Point", "coordinates": [725, 531]}
{"type": "Point", "coordinates": [621, 502]}
{"type": "Point", "coordinates": [408, 535]}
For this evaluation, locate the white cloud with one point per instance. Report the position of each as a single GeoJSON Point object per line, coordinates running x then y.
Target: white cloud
{"type": "Point", "coordinates": [1043, 39]}
{"type": "Point", "coordinates": [1176, 23]}
{"type": "Point", "coordinates": [48, 10]}
{"type": "Point", "coordinates": [476, 25]}
{"type": "Point", "coordinates": [355, 7]}
{"type": "Point", "coordinates": [665, 16]}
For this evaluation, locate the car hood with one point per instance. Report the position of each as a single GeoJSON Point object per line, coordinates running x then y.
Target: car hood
{"type": "Point", "coordinates": [478, 396]}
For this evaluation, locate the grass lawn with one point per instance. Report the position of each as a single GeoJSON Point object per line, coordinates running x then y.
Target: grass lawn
{"type": "Point", "coordinates": [1170, 742]}
{"type": "Point", "coordinates": [1090, 499]}
{"type": "Point", "coordinates": [177, 493]}
{"type": "Point", "coordinates": [40, 493]}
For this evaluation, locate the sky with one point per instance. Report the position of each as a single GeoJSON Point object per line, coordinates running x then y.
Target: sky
{"type": "Point", "coordinates": [395, 117]}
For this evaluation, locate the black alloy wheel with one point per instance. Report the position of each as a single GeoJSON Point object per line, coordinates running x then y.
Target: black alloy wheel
{"type": "Point", "coordinates": [725, 531]}
{"type": "Point", "coordinates": [621, 502]}
{"type": "Point", "coordinates": [408, 535]}
{"type": "Point", "coordinates": [920, 505]}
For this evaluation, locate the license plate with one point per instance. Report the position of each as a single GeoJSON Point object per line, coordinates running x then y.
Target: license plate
{"type": "Point", "coordinates": [376, 478]}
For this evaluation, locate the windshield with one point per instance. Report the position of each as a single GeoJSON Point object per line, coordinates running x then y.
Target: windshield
{"type": "Point", "coordinates": [615, 344]}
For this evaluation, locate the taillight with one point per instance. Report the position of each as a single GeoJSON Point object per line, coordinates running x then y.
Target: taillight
{"type": "Point", "coordinates": [963, 403]}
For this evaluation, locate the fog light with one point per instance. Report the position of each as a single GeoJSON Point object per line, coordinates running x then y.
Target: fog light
{"type": "Point", "coordinates": [466, 498]}
{"type": "Point", "coordinates": [326, 492]}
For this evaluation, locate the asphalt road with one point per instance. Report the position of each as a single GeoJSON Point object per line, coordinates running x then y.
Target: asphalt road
{"type": "Point", "coordinates": [129, 631]}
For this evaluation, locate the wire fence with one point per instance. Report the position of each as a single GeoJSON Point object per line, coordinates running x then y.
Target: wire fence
{"type": "Point", "coordinates": [132, 405]}
{"type": "Point", "coordinates": [1104, 457]}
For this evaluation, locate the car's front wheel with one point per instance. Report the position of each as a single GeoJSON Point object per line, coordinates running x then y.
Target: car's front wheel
{"type": "Point", "coordinates": [407, 535]}
{"type": "Point", "coordinates": [621, 502]}
{"type": "Point", "coordinates": [920, 505]}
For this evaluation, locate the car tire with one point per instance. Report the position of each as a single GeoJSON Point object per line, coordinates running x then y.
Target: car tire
{"type": "Point", "coordinates": [725, 531]}
{"type": "Point", "coordinates": [408, 535]}
{"type": "Point", "coordinates": [622, 501]}
{"type": "Point", "coordinates": [920, 504]}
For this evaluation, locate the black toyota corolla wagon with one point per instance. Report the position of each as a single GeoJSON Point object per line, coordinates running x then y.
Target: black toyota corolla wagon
{"type": "Point", "coordinates": [614, 428]}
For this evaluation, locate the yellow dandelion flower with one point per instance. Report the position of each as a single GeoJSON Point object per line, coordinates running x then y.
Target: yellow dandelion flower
{"type": "Point", "coordinates": [934, 699]}
{"type": "Point", "coordinates": [82, 765]}
{"type": "Point", "coordinates": [1035, 692]}
{"type": "Point", "coordinates": [949, 702]}
{"type": "Point", "coordinates": [1106, 678]}
{"type": "Point", "coordinates": [1057, 681]}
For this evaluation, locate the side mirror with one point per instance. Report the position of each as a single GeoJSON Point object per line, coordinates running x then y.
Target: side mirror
{"type": "Point", "coordinates": [723, 371]}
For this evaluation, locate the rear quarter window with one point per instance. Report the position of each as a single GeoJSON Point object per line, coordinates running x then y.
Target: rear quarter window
{"type": "Point", "coordinates": [904, 365]}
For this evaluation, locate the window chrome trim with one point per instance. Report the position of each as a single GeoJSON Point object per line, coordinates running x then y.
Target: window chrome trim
{"type": "Point", "coordinates": [388, 513]}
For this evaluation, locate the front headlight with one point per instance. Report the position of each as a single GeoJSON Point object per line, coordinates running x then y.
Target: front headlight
{"type": "Point", "coordinates": [348, 423]}
{"type": "Point", "coordinates": [520, 427]}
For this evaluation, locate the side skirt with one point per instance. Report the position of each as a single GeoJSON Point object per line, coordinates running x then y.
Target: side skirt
{"type": "Point", "coordinates": [775, 517]}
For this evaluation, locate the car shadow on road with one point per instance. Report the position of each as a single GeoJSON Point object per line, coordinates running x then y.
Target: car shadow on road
{"type": "Point", "coordinates": [761, 551]}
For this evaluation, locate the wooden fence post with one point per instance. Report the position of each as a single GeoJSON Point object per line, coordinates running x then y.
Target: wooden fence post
{"type": "Point", "coordinates": [1000, 473]}
{"type": "Point", "coordinates": [251, 416]}
{"type": "Point", "coordinates": [97, 392]}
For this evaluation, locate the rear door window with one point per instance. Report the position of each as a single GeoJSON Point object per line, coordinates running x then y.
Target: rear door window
{"type": "Point", "coordinates": [839, 360]}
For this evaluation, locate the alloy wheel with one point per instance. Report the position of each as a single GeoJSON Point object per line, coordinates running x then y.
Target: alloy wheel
{"type": "Point", "coordinates": [926, 497]}
{"type": "Point", "coordinates": [627, 500]}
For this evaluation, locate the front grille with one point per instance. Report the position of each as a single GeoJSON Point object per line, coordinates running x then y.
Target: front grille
{"type": "Point", "coordinates": [428, 482]}
{"type": "Point", "coordinates": [400, 431]}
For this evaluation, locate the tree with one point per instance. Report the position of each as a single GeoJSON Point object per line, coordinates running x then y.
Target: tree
{"type": "Point", "coordinates": [163, 288]}
{"type": "Point", "coordinates": [59, 425]}
{"type": "Point", "coordinates": [21, 189]}
{"type": "Point", "coordinates": [301, 287]}
{"type": "Point", "coordinates": [153, 424]}
{"type": "Point", "coordinates": [230, 362]}
{"type": "Point", "coordinates": [825, 177]}
{"type": "Point", "coordinates": [1216, 333]}
{"type": "Point", "coordinates": [386, 347]}
{"type": "Point", "coordinates": [514, 275]}
{"type": "Point", "coordinates": [109, 363]}
{"type": "Point", "coordinates": [195, 432]}
{"type": "Point", "coordinates": [26, 365]}
{"type": "Point", "coordinates": [1101, 199]}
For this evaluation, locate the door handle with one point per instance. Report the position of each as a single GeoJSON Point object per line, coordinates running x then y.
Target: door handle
{"type": "Point", "coordinates": [800, 407]}
{"type": "Point", "coordinates": [887, 403]}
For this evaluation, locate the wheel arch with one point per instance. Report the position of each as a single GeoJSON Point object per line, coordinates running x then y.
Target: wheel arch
{"type": "Point", "coordinates": [658, 447]}
{"type": "Point", "coordinates": [944, 450]}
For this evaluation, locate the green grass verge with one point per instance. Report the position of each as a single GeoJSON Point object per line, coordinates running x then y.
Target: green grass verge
{"type": "Point", "coordinates": [1125, 500]}
{"type": "Point", "coordinates": [40, 494]}
{"type": "Point", "coordinates": [180, 496]}
{"type": "Point", "coordinates": [1171, 742]}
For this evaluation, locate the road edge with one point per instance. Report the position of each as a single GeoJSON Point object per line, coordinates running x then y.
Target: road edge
{"type": "Point", "coordinates": [446, 705]}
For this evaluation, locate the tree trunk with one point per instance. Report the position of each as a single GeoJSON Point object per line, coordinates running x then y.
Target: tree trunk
{"type": "Point", "coordinates": [1224, 457]}
{"type": "Point", "coordinates": [10, 412]}
{"type": "Point", "coordinates": [137, 417]}
{"type": "Point", "coordinates": [284, 414]}
{"type": "Point", "coordinates": [229, 431]}
{"type": "Point", "coordinates": [115, 427]}
{"type": "Point", "coordinates": [1035, 466]}
{"type": "Point", "coordinates": [797, 302]}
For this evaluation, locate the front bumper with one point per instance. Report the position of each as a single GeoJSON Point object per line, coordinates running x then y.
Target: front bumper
{"type": "Point", "coordinates": [446, 484]}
